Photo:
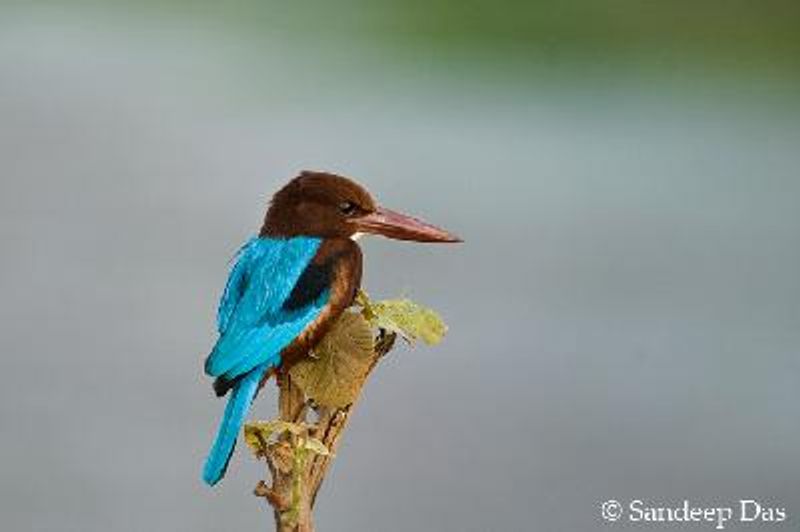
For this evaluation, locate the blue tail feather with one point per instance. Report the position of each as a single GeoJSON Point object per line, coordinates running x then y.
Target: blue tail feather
{"type": "Point", "coordinates": [230, 425]}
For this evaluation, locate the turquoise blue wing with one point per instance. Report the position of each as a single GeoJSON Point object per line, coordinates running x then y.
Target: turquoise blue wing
{"type": "Point", "coordinates": [254, 325]}
{"type": "Point", "coordinates": [237, 352]}
{"type": "Point", "coordinates": [237, 282]}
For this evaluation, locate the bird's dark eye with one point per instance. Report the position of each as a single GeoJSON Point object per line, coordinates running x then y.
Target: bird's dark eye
{"type": "Point", "coordinates": [348, 208]}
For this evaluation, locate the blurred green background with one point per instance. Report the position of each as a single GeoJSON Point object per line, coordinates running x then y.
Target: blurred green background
{"type": "Point", "coordinates": [524, 40]}
{"type": "Point", "coordinates": [624, 316]}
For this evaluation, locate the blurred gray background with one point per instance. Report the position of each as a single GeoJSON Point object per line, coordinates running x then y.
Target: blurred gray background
{"type": "Point", "coordinates": [624, 316]}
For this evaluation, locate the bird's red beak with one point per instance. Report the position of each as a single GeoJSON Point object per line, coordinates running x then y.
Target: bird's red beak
{"type": "Point", "coordinates": [392, 224]}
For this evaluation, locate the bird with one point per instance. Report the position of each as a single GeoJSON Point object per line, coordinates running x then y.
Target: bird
{"type": "Point", "coordinates": [289, 284]}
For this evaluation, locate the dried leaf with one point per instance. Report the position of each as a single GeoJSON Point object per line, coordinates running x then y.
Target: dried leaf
{"type": "Point", "coordinates": [408, 319]}
{"type": "Point", "coordinates": [333, 376]}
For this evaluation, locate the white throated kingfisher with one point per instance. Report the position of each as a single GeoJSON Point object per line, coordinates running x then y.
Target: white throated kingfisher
{"type": "Point", "coordinates": [289, 284]}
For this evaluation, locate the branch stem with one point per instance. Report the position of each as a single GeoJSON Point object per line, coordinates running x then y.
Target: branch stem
{"type": "Point", "coordinates": [297, 474]}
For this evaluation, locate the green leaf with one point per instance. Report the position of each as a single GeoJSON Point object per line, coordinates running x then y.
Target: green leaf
{"type": "Point", "coordinates": [333, 374]}
{"type": "Point", "coordinates": [258, 433]}
{"type": "Point", "coordinates": [316, 446]}
{"type": "Point", "coordinates": [408, 319]}
{"type": "Point", "coordinates": [362, 300]}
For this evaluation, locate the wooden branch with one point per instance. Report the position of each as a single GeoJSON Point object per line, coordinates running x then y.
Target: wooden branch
{"type": "Point", "coordinates": [297, 474]}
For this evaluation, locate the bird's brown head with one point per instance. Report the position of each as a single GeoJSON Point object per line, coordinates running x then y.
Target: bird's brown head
{"type": "Point", "coordinates": [331, 206]}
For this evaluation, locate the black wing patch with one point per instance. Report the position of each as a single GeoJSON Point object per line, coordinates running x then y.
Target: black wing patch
{"type": "Point", "coordinates": [312, 282]}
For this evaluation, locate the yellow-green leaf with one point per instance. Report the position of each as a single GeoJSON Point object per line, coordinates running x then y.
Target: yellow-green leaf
{"type": "Point", "coordinates": [315, 446]}
{"type": "Point", "coordinates": [258, 433]}
{"type": "Point", "coordinates": [408, 319]}
{"type": "Point", "coordinates": [362, 300]}
{"type": "Point", "coordinates": [333, 375]}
